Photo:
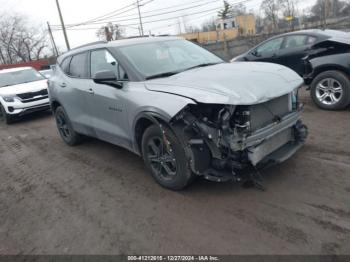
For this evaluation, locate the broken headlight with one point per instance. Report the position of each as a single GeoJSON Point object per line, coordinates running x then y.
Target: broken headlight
{"type": "Point", "coordinates": [242, 119]}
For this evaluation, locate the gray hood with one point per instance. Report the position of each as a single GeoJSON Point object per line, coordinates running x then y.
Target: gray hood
{"type": "Point", "coordinates": [243, 83]}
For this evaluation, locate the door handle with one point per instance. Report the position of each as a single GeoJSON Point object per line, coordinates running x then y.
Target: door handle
{"type": "Point", "coordinates": [91, 91]}
{"type": "Point", "coordinates": [63, 85]}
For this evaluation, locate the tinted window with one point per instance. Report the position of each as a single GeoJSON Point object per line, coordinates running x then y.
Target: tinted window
{"type": "Point", "coordinates": [65, 65]}
{"type": "Point", "coordinates": [78, 66]}
{"type": "Point", "coordinates": [295, 41]}
{"type": "Point", "coordinates": [270, 47]}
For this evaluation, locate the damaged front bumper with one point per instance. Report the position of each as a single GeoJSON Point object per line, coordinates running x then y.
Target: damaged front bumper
{"type": "Point", "coordinates": [266, 144]}
{"type": "Point", "coordinates": [219, 149]}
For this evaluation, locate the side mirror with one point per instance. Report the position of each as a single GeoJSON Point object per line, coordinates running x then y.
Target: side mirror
{"type": "Point", "coordinates": [107, 77]}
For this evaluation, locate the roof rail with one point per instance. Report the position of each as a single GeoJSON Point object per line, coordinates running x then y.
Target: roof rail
{"type": "Point", "coordinates": [89, 44]}
{"type": "Point", "coordinates": [136, 36]}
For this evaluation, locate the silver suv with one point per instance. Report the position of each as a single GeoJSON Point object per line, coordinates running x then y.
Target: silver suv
{"type": "Point", "coordinates": [183, 109]}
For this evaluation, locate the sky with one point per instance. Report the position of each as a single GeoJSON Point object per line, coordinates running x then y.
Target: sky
{"type": "Point", "coordinates": [77, 11]}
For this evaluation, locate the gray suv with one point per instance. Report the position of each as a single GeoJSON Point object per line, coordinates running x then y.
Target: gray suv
{"type": "Point", "coordinates": [180, 107]}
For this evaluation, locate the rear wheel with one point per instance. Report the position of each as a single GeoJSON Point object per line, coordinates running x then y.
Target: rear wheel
{"type": "Point", "coordinates": [4, 117]}
{"type": "Point", "coordinates": [64, 126]}
{"type": "Point", "coordinates": [330, 90]}
{"type": "Point", "coordinates": [165, 158]}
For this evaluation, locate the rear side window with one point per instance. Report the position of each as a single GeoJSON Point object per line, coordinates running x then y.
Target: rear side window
{"type": "Point", "coordinates": [311, 40]}
{"type": "Point", "coordinates": [78, 66]}
{"type": "Point", "coordinates": [65, 65]}
{"type": "Point", "coordinates": [295, 41]}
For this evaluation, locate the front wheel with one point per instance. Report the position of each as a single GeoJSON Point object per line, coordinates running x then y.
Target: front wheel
{"type": "Point", "coordinates": [330, 90]}
{"type": "Point", "coordinates": [4, 117]}
{"type": "Point", "coordinates": [165, 158]}
{"type": "Point", "coordinates": [65, 128]}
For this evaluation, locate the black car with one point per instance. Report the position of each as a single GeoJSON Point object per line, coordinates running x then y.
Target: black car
{"type": "Point", "coordinates": [321, 57]}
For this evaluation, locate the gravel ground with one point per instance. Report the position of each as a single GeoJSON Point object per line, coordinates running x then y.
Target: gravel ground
{"type": "Point", "coordinates": [98, 199]}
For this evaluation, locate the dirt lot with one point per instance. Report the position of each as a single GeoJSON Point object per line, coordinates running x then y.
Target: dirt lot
{"type": "Point", "coordinates": [98, 199]}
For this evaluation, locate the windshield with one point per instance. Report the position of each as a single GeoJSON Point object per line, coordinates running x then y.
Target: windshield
{"type": "Point", "coordinates": [163, 57]}
{"type": "Point", "coordinates": [19, 77]}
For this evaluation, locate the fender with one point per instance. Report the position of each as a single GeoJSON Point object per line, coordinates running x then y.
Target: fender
{"type": "Point", "coordinates": [155, 116]}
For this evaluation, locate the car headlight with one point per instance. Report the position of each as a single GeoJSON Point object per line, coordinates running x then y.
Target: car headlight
{"type": "Point", "coordinates": [9, 99]}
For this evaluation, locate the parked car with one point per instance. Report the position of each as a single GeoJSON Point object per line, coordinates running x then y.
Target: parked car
{"type": "Point", "coordinates": [46, 73]}
{"type": "Point", "coordinates": [180, 107]}
{"type": "Point", "coordinates": [22, 91]}
{"type": "Point", "coordinates": [315, 55]}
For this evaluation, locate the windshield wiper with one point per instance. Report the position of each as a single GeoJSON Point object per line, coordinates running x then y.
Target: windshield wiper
{"type": "Point", "coordinates": [202, 65]}
{"type": "Point", "coordinates": [162, 75]}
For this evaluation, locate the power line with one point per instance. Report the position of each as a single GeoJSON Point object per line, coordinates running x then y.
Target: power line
{"type": "Point", "coordinates": [158, 14]}
{"type": "Point", "coordinates": [165, 8]}
{"type": "Point", "coordinates": [169, 25]}
{"type": "Point", "coordinates": [102, 16]}
{"type": "Point", "coordinates": [166, 19]}
{"type": "Point", "coordinates": [109, 15]}
{"type": "Point", "coordinates": [174, 11]}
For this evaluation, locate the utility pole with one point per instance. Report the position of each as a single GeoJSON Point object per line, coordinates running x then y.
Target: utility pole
{"type": "Point", "coordinates": [325, 13]}
{"type": "Point", "coordinates": [52, 39]}
{"type": "Point", "coordinates": [138, 7]}
{"type": "Point", "coordinates": [62, 24]}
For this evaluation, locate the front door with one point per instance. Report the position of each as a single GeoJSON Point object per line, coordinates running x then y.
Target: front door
{"type": "Point", "coordinates": [107, 103]}
{"type": "Point", "coordinates": [267, 52]}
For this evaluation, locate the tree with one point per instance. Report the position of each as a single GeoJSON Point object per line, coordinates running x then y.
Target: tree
{"type": "Point", "coordinates": [239, 9]}
{"type": "Point", "coordinates": [20, 42]}
{"type": "Point", "coordinates": [226, 12]}
{"type": "Point", "coordinates": [289, 7]}
{"type": "Point", "coordinates": [271, 9]}
{"type": "Point", "coordinates": [208, 25]}
{"type": "Point", "coordinates": [324, 9]}
{"type": "Point", "coordinates": [289, 10]}
{"type": "Point", "coordinates": [110, 32]}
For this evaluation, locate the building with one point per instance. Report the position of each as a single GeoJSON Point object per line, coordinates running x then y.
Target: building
{"type": "Point", "coordinates": [227, 29]}
{"type": "Point", "coordinates": [245, 24]}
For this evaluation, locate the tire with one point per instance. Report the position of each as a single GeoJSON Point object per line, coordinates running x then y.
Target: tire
{"type": "Point", "coordinates": [65, 128]}
{"type": "Point", "coordinates": [168, 165]}
{"type": "Point", "coordinates": [330, 90]}
{"type": "Point", "coordinates": [4, 117]}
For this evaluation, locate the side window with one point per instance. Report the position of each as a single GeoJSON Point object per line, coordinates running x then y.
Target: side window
{"type": "Point", "coordinates": [270, 47]}
{"type": "Point", "coordinates": [310, 40]}
{"type": "Point", "coordinates": [294, 41]}
{"type": "Point", "coordinates": [103, 60]}
{"type": "Point", "coordinates": [78, 66]}
{"type": "Point", "coordinates": [65, 65]}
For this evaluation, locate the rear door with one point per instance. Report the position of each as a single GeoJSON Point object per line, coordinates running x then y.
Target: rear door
{"type": "Point", "coordinates": [72, 87]}
{"type": "Point", "coordinates": [294, 49]}
{"type": "Point", "coordinates": [107, 103]}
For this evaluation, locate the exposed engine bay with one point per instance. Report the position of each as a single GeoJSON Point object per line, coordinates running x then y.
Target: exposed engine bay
{"type": "Point", "coordinates": [223, 140]}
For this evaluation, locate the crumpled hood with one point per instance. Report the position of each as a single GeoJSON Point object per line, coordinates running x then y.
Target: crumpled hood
{"type": "Point", "coordinates": [23, 88]}
{"type": "Point", "coordinates": [242, 83]}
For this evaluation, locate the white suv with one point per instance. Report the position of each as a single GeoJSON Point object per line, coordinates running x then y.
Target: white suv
{"type": "Point", "coordinates": [22, 91]}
